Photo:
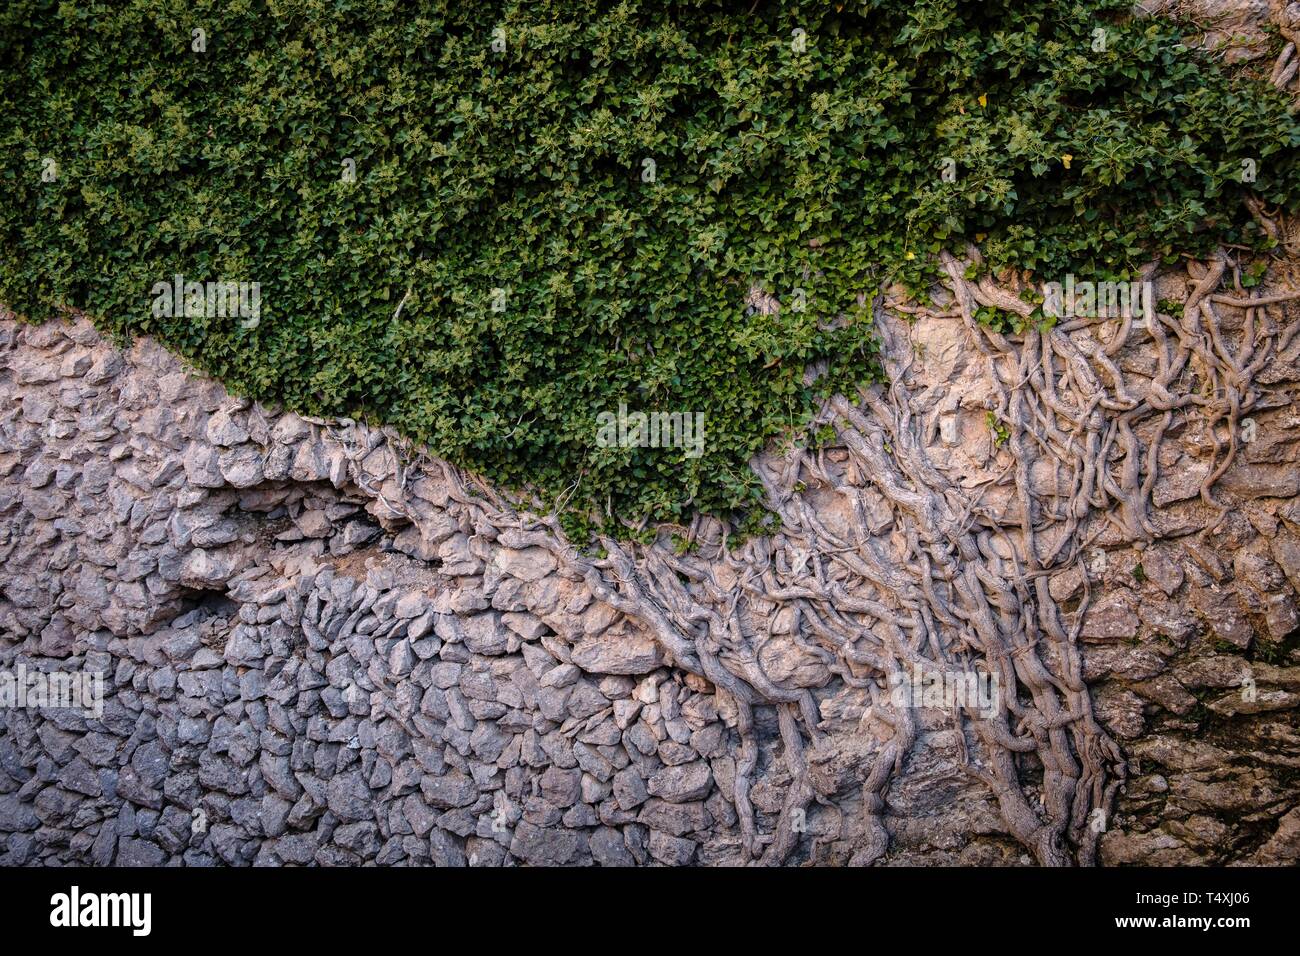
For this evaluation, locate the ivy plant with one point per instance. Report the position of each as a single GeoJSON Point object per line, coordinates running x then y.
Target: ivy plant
{"type": "Point", "coordinates": [489, 223]}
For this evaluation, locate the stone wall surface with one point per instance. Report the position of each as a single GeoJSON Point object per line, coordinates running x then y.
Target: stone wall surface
{"type": "Point", "coordinates": [316, 650]}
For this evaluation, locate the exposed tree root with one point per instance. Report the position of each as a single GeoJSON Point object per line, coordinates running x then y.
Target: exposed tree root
{"type": "Point", "coordinates": [952, 584]}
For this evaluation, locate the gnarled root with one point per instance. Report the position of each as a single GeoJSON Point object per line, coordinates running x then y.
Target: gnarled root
{"type": "Point", "coordinates": [956, 586]}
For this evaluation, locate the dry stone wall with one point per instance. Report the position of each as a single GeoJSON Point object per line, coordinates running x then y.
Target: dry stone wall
{"type": "Point", "coordinates": [316, 650]}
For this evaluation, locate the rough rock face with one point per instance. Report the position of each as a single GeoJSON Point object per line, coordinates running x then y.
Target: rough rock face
{"type": "Point", "coordinates": [315, 650]}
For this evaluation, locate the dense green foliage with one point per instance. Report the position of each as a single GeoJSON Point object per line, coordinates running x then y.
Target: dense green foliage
{"type": "Point", "coordinates": [792, 160]}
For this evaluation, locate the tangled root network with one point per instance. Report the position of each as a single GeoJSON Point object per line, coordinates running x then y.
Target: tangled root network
{"type": "Point", "coordinates": [952, 585]}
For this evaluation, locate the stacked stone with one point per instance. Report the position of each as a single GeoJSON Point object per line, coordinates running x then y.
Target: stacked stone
{"type": "Point", "coordinates": [313, 653]}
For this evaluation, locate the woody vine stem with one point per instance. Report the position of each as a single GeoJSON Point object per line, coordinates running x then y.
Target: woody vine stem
{"type": "Point", "coordinates": [950, 584]}
{"type": "Point", "coordinates": [953, 586]}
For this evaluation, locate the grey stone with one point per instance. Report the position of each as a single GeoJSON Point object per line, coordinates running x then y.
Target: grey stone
{"type": "Point", "coordinates": [549, 846]}
{"type": "Point", "coordinates": [448, 790]}
{"type": "Point", "coordinates": [484, 634]}
{"type": "Point", "coordinates": [561, 787]}
{"type": "Point", "coordinates": [629, 789]}
{"type": "Point", "coordinates": [670, 850]}
{"type": "Point", "coordinates": [349, 797]}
